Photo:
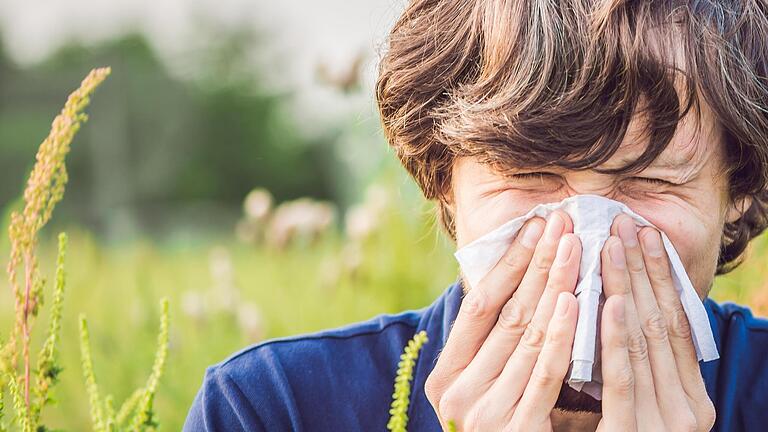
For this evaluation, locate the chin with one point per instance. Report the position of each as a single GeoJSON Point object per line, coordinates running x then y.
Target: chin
{"type": "Point", "coordinates": [570, 400]}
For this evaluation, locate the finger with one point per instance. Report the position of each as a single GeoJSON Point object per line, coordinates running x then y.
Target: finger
{"type": "Point", "coordinates": [511, 326]}
{"type": "Point", "coordinates": [537, 273]}
{"type": "Point", "coordinates": [616, 281]}
{"type": "Point", "coordinates": [519, 308]}
{"type": "Point", "coordinates": [618, 401]}
{"type": "Point", "coordinates": [670, 395]}
{"type": "Point", "coordinates": [480, 307]}
{"type": "Point", "coordinates": [547, 377]}
{"type": "Point", "coordinates": [472, 324]}
{"type": "Point", "coordinates": [679, 330]}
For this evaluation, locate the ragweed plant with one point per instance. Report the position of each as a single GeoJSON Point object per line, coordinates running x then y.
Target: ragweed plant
{"type": "Point", "coordinates": [398, 419]}
{"type": "Point", "coordinates": [136, 413]}
{"type": "Point", "coordinates": [28, 388]}
{"type": "Point", "coordinates": [44, 189]}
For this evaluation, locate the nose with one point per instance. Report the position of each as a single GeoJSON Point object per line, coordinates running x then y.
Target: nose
{"type": "Point", "coordinates": [590, 183]}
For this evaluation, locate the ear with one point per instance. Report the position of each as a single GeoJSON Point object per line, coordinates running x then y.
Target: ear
{"type": "Point", "coordinates": [737, 208]}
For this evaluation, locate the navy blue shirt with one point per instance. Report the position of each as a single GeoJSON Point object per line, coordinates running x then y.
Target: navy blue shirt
{"type": "Point", "coordinates": [342, 379]}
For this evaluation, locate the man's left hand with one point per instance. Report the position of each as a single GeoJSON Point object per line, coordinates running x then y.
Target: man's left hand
{"type": "Point", "coordinates": [651, 376]}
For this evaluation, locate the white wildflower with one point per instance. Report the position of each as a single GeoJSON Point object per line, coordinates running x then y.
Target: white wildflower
{"type": "Point", "coordinates": [257, 204]}
{"type": "Point", "coordinates": [250, 321]}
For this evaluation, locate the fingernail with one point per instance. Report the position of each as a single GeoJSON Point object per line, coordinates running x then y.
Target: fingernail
{"type": "Point", "coordinates": [564, 250]}
{"type": "Point", "coordinates": [555, 227]}
{"type": "Point", "coordinates": [616, 251]}
{"type": "Point", "coordinates": [533, 230]}
{"type": "Point", "coordinates": [628, 233]}
{"type": "Point", "coordinates": [652, 243]}
{"type": "Point", "coordinates": [618, 311]}
{"type": "Point", "coordinates": [562, 306]}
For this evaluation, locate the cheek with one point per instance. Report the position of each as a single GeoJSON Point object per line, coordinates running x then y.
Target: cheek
{"type": "Point", "coordinates": [696, 239]}
{"type": "Point", "coordinates": [479, 216]}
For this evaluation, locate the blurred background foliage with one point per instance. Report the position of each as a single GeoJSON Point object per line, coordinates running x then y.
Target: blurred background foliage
{"type": "Point", "coordinates": [162, 153]}
{"type": "Point", "coordinates": [200, 182]}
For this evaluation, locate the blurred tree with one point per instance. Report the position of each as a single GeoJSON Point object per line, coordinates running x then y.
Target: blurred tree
{"type": "Point", "coordinates": [160, 152]}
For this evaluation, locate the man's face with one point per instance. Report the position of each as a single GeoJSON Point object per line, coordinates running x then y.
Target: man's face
{"type": "Point", "coordinates": [683, 193]}
{"type": "Point", "coordinates": [691, 208]}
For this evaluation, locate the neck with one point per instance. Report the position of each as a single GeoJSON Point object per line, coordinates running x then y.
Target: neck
{"type": "Point", "coordinates": [570, 420]}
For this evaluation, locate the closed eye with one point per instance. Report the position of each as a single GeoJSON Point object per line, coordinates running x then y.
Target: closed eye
{"type": "Point", "coordinates": [542, 175]}
{"type": "Point", "coordinates": [654, 181]}
{"type": "Point", "coordinates": [531, 175]}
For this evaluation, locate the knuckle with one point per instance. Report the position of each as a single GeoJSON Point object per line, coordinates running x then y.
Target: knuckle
{"type": "Point", "coordinates": [679, 326]}
{"type": "Point", "coordinates": [544, 377]}
{"type": "Point", "coordinates": [434, 387]}
{"type": "Point", "coordinates": [704, 415]}
{"type": "Point", "coordinates": [655, 328]}
{"type": "Point", "coordinates": [707, 416]}
{"type": "Point", "coordinates": [635, 269]}
{"type": "Point", "coordinates": [475, 420]}
{"type": "Point", "coordinates": [618, 342]}
{"type": "Point", "coordinates": [623, 383]}
{"type": "Point", "coordinates": [655, 261]}
{"type": "Point", "coordinates": [557, 336]}
{"type": "Point", "coordinates": [685, 422]}
{"type": "Point", "coordinates": [541, 264]}
{"type": "Point", "coordinates": [512, 318]}
{"type": "Point", "coordinates": [637, 346]}
{"type": "Point", "coordinates": [635, 266]}
{"type": "Point", "coordinates": [533, 338]}
{"type": "Point", "coordinates": [660, 274]}
{"type": "Point", "coordinates": [475, 304]}
{"type": "Point", "coordinates": [452, 404]}
{"type": "Point", "coordinates": [512, 261]}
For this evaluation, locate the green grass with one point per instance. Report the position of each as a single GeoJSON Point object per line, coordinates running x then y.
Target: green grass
{"type": "Point", "coordinates": [405, 264]}
{"type": "Point", "coordinates": [301, 289]}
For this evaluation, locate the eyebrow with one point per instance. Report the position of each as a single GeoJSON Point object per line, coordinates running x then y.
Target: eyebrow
{"type": "Point", "coordinates": [670, 162]}
{"type": "Point", "coordinates": [669, 158]}
{"type": "Point", "coordinates": [659, 162]}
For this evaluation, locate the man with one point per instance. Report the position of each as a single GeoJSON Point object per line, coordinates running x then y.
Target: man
{"type": "Point", "coordinates": [494, 107]}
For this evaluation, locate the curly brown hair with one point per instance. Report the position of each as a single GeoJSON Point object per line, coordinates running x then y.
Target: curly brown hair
{"type": "Point", "coordinates": [542, 83]}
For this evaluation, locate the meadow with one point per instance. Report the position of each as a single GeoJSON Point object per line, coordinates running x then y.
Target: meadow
{"type": "Point", "coordinates": [228, 292]}
{"type": "Point", "coordinates": [225, 294]}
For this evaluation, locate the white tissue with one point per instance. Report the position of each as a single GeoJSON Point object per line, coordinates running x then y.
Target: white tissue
{"type": "Point", "coordinates": [592, 216]}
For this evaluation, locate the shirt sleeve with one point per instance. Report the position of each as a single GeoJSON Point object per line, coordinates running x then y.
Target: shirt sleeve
{"type": "Point", "coordinates": [220, 405]}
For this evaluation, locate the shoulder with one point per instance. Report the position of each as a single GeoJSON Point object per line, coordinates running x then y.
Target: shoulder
{"type": "Point", "coordinates": [375, 333]}
{"type": "Point", "coordinates": [739, 333]}
{"type": "Point", "coordinates": [738, 380]}
{"type": "Point", "coordinates": [732, 313]}
{"type": "Point", "coordinates": [737, 330]}
{"type": "Point", "coordinates": [334, 379]}
{"type": "Point", "coordinates": [741, 336]}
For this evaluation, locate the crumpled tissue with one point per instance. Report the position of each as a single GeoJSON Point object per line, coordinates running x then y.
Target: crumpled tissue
{"type": "Point", "coordinates": [592, 216]}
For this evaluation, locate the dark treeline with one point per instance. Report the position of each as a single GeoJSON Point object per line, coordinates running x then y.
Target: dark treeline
{"type": "Point", "coordinates": [160, 152]}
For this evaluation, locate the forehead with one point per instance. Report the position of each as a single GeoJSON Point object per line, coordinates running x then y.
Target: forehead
{"type": "Point", "coordinates": [697, 139]}
{"type": "Point", "coordinates": [698, 136]}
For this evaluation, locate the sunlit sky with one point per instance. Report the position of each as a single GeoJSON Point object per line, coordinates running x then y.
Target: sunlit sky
{"type": "Point", "coordinates": [303, 33]}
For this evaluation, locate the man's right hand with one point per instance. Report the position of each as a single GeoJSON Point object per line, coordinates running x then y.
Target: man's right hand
{"type": "Point", "coordinates": [507, 354]}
